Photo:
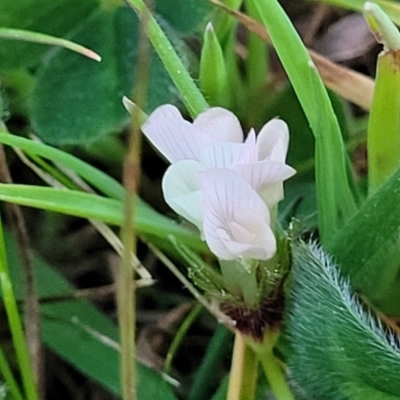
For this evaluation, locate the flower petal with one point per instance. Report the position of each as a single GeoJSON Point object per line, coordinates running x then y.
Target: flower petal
{"type": "Point", "coordinates": [221, 124]}
{"type": "Point", "coordinates": [182, 190]}
{"type": "Point", "coordinates": [265, 172]}
{"type": "Point", "coordinates": [175, 138]}
{"type": "Point", "coordinates": [236, 220]}
{"type": "Point", "coordinates": [273, 141]}
{"type": "Point", "coordinates": [221, 155]}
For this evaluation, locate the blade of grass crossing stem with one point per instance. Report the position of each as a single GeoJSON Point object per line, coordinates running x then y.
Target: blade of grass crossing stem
{"type": "Point", "coordinates": [101, 181]}
{"type": "Point", "coordinates": [15, 324]}
{"type": "Point", "coordinates": [191, 94]}
{"type": "Point", "coordinates": [336, 203]}
{"type": "Point", "coordinates": [88, 205]}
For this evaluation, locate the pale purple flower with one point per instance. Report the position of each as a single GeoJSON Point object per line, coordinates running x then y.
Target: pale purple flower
{"type": "Point", "coordinates": [223, 184]}
{"type": "Point", "coordinates": [236, 222]}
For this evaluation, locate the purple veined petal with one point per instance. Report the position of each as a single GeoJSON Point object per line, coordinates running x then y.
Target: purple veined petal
{"type": "Point", "coordinates": [182, 190]}
{"type": "Point", "coordinates": [273, 141]}
{"type": "Point", "coordinates": [175, 138]}
{"type": "Point", "coordinates": [265, 172]}
{"type": "Point", "coordinates": [249, 154]}
{"type": "Point", "coordinates": [236, 222]}
{"type": "Point", "coordinates": [221, 124]}
{"type": "Point", "coordinates": [221, 155]}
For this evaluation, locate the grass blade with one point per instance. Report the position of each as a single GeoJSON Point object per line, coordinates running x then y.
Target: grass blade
{"type": "Point", "coordinates": [36, 37]}
{"type": "Point", "coordinates": [191, 94]}
{"type": "Point", "coordinates": [87, 205]}
{"type": "Point", "coordinates": [15, 324]}
{"type": "Point", "coordinates": [336, 203]}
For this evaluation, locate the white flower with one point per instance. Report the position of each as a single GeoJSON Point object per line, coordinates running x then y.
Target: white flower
{"type": "Point", "coordinates": [177, 139]}
{"type": "Point", "coordinates": [211, 154]}
{"type": "Point", "coordinates": [236, 222]}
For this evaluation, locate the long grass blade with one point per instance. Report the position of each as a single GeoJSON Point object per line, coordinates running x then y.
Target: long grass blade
{"type": "Point", "coordinates": [336, 203]}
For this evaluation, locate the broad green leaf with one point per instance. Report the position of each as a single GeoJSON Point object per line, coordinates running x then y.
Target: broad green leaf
{"type": "Point", "coordinates": [336, 203]}
{"type": "Point", "coordinates": [195, 12]}
{"type": "Point", "coordinates": [368, 248]}
{"type": "Point", "coordinates": [340, 350]}
{"type": "Point", "coordinates": [87, 205]}
{"type": "Point", "coordinates": [56, 17]}
{"type": "Point", "coordinates": [87, 102]}
{"type": "Point", "coordinates": [79, 333]}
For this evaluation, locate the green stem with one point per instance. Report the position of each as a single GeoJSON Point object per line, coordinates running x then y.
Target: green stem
{"type": "Point", "coordinates": [272, 370]}
{"type": "Point", "coordinates": [7, 375]}
{"type": "Point", "coordinates": [179, 336]}
{"type": "Point", "coordinates": [15, 324]}
{"type": "Point", "coordinates": [243, 377]}
{"type": "Point", "coordinates": [191, 94]}
{"type": "Point", "coordinates": [126, 305]}
{"type": "Point", "coordinates": [275, 377]}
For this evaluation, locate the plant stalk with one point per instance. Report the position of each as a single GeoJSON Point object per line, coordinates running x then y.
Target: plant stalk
{"type": "Point", "coordinates": [15, 324]}
{"type": "Point", "coordinates": [243, 377]}
{"type": "Point", "coordinates": [275, 376]}
{"type": "Point", "coordinates": [131, 179]}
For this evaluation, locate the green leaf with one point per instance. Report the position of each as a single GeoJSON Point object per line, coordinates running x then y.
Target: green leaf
{"type": "Point", "coordinates": [56, 17]}
{"type": "Point", "coordinates": [213, 79]}
{"type": "Point", "coordinates": [207, 374]}
{"type": "Point", "coordinates": [80, 333]}
{"type": "Point", "coordinates": [340, 350]}
{"type": "Point", "coordinates": [336, 203]}
{"type": "Point", "coordinates": [36, 37]}
{"type": "Point", "coordinates": [368, 248]}
{"type": "Point", "coordinates": [87, 102]}
{"type": "Point", "coordinates": [98, 179]}
{"type": "Point", "coordinates": [384, 120]}
{"type": "Point", "coordinates": [195, 12]}
{"type": "Point", "coordinates": [191, 94]}
{"type": "Point", "coordinates": [87, 205]}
